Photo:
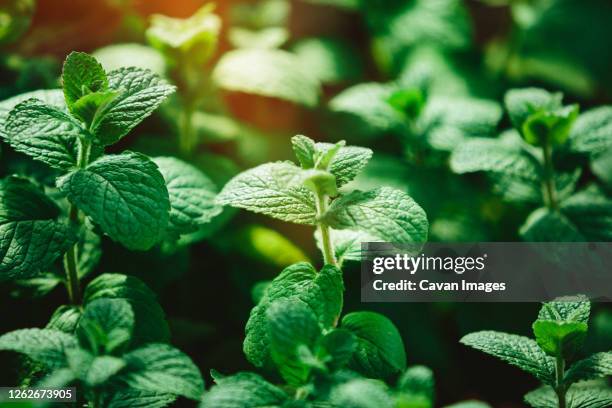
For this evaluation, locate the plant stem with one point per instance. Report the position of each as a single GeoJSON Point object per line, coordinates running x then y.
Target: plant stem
{"type": "Point", "coordinates": [329, 256]}
{"type": "Point", "coordinates": [549, 179]}
{"type": "Point", "coordinates": [186, 131]}
{"type": "Point", "coordinates": [559, 387]}
{"type": "Point", "coordinates": [70, 258]}
{"type": "Point", "coordinates": [70, 264]}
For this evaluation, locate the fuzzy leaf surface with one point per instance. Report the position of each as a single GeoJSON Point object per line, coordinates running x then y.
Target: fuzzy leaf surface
{"type": "Point", "coordinates": [150, 324]}
{"type": "Point", "coordinates": [385, 212]}
{"type": "Point", "coordinates": [192, 195]}
{"type": "Point", "coordinates": [322, 292]}
{"type": "Point", "coordinates": [30, 237]}
{"type": "Point", "coordinates": [43, 132]}
{"type": "Point", "coordinates": [160, 368]}
{"type": "Point", "coordinates": [243, 390]}
{"type": "Point", "coordinates": [598, 365]}
{"type": "Point", "coordinates": [591, 131]}
{"type": "Point", "coordinates": [139, 93]}
{"type": "Point", "coordinates": [42, 345]}
{"type": "Point", "coordinates": [380, 350]}
{"type": "Point", "coordinates": [125, 194]}
{"type": "Point", "coordinates": [82, 75]}
{"type": "Point", "coordinates": [106, 325]}
{"type": "Point", "coordinates": [271, 189]}
{"type": "Point", "coordinates": [519, 351]}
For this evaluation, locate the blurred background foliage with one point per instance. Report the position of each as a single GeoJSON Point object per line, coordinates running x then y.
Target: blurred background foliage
{"type": "Point", "coordinates": [404, 77]}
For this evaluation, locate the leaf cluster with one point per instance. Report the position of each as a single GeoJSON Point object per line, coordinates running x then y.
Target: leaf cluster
{"type": "Point", "coordinates": [560, 331]}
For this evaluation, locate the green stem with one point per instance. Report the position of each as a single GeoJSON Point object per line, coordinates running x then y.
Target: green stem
{"type": "Point", "coordinates": [550, 193]}
{"type": "Point", "coordinates": [186, 131]}
{"type": "Point", "coordinates": [329, 256]}
{"type": "Point", "coordinates": [70, 258]}
{"type": "Point", "coordinates": [559, 387]}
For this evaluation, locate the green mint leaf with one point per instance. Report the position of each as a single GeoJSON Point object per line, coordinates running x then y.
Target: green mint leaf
{"type": "Point", "coordinates": [550, 125]}
{"type": "Point", "coordinates": [192, 195]}
{"type": "Point", "coordinates": [89, 106]}
{"type": "Point", "coordinates": [125, 194]}
{"type": "Point", "coordinates": [127, 398]}
{"type": "Point", "coordinates": [519, 351]}
{"type": "Point", "coordinates": [362, 393]}
{"type": "Point", "coordinates": [585, 395]}
{"type": "Point", "coordinates": [102, 369]}
{"type": "Point", "coordinates": [194, 37]}
{"type": "Point", "coordinates": [380, 350]}
{"type": "Point", "coordinates": [106, 326]}
{"type": "Point", "coordinates": [543, 397]}
{"type": "Point", "coordinates": [417, 381]}
{"type": "Point", "coordinates": [160, 368]}
{"type": "Point", "coordinates": [43, 132]}
{"type": "Point", "coordinates": [61, 377]}
{"type": "Point", "coordinates": [45, 346]}
{"type": "Point", "coordinates": [331, 60]}
{"type": "Point", "coordinates": [65, 318]}
{"type": "Point", "coordinates": [52, 97]}
{"type": "Point", "coordinates": [338, 346]}
{"type": "Point", "coordinates": [560, 338]}
{"type": "Point", "coordinates": [591, 211]}
{"type": "Point", "coordinates": [544, 225]}
{"type": "Point", "coordinates": [270, 73]}
{"type": "Point", "coordinates": [408, 101]}
{"type": "Point", "coordinates": [82, 75]}
{"type": "Point", "coordinates": [344, 162]}
{"type": "Point", "coordinates": [271, 189]}
{"type": "Point", "coordinates": [305, 150]}
{"type": "Point", "coordinates": [243, 390]}
{"type": "Point", "coordinates": [602, 166]}
{"type": "Point", "coordinates": [150, 324]}
{"type": "Point", "coordinates": [591, 131]}
{"type": "Point", "coordinates": [291, 325]}
{"type": "Point", "coordinates": [363, 111]}
{"type": "Point", "coordinates": [32, 239]}
{"type": "Point", "coordinates": [522, 103]}
{"type": "Point", "coordinates": [92, 370]}
{"type": "Point", "coordinates": [322, 292]}
{"type": "Point", "coordinates": [325, 154]}
{"type": "Point", "coordinates": [347, 162]}
{"type": "Point", "coordinates": [449, 121]}
{"type": "Point", "coordinates": [443, 23]}
{"type": "Point", "coordinates": [598, 365]}
{"type": "Point", "coordinates": [498, 157]}
{"type": "Point", "coordinates": [387, 213]}
{"type": "Point", "coordinates": [568, 309]}
{"type": "Point", "coordinates": [138, 93]}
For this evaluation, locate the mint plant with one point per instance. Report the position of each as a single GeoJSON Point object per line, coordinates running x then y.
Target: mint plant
{"type": "Point", "coordinates": [187, 45]}
{"type": "Point", "coordinates": [303, 195]}
{"type": "Point", "coordinates": [553, 357]}
{"type": "Point", "coordinates": [98, 354]}
{"type": "Point", "coordinates": [425, 121]}
{"type": "Point", "coordinates": [133, 199]}
{"type": "Point", "coordinates": [539, 163]}
{"type": "Point", "coordinates": [111, 340]}
{"type": "Point", "coordinates": [296, 329]}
